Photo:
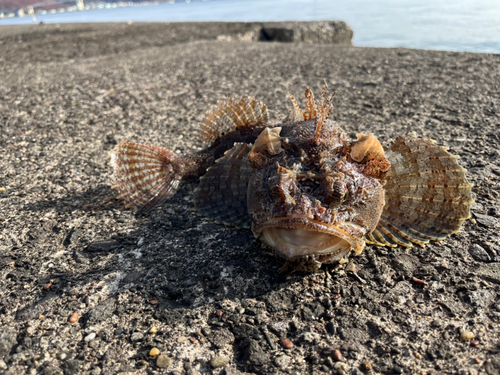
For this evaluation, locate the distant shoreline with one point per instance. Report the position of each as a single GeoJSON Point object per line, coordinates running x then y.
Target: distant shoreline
{"type": "Point", "coordinates": [427, 24]}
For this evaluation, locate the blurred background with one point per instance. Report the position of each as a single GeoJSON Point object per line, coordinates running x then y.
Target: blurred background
{"type": "Point", "coordinates": [458, 25]}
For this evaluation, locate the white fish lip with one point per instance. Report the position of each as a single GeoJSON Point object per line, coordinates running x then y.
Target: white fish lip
{"type": "Point", "coordinates": [298, 236]}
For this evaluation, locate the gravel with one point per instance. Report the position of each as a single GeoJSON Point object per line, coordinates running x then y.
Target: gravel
{"type": "Point", "coordinates": [70, 93]}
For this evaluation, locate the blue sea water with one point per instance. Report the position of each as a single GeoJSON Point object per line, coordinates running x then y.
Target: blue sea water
{"type": "Point", "coordinates": [453, 25]}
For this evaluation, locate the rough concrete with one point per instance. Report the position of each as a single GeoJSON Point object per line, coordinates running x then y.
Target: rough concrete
{"type": "Point", "coordinates": [214, 296]}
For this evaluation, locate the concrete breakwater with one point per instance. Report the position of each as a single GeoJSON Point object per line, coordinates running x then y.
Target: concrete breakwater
{"type": "Point", "coordinates": [91, 39]}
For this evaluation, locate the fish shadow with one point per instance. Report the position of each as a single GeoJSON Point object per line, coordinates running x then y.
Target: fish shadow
{"type": "Point", "coordinates": [169, 262]}
{"type": "Point", "coordinates": [99, 198]}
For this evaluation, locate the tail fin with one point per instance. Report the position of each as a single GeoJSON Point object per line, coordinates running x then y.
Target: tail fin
{"type": "Point", "coordinates": [146, 176]}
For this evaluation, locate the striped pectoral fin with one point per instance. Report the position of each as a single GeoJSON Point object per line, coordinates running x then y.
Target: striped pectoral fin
{"type": "Point", "coordinates": [427, 193]}
{"type": "Point", "coordinates": [222, 193]}
{"type": "Point", "coordinates": [146, 176]}
{"type": "Point", "coordinates": [231, 115]}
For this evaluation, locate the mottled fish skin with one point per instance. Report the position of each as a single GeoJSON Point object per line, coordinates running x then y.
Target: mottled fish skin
{"type": "Point", "coordinates": [310, 202]}
{"type": "Point", "coordinates": [307, 191]}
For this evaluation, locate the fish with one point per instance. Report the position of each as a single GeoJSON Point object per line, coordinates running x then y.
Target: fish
{"type": "Point", "coordinates": [311, 194]}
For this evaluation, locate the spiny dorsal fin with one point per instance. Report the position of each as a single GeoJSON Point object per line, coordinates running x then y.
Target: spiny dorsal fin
{"type": "Point", "coordinates": [325, 109]}
{"type": "Point", "coordinates": [319, 111]}
{"type": "Point", "coordinates": [232, 114]}
{"type": "Point", "coordinates": [296, 114]}
{"type": "Point", "coordinates": [311, 109]}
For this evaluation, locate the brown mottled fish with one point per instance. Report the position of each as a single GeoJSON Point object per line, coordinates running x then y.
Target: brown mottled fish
{"type": "Point", "coordinates": [306, 190]}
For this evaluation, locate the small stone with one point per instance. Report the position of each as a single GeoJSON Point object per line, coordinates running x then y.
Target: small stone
{"type": "Point", "coordinates": [163, 361]}
{"type": "Point", "coordinates": [282, 361]}
{"type": "Point", "coordinates": [90, 337]}
{"type": "Point", "coordinates": [351, 267]}
{"type": "Point", "coordinates": [417, 355]}
{"type": "Point", "coordinates": [331, 329]}
{"type": "Point", "coordinates": [218, 313]}
{"type": "Point", "coordinates": [155, 352]}
{"type": "Point", "coordinates": [253, 354]}
{"type": "Point", "coordinates": [341, 368]}
{"type": "Point", "coordinates": [62, 356]}
{"type": "Point", "coordinates": [397, 370]}
{"type": "Point", "coordinates": [329, 361]}
{"type": "Point", "coordinates": [418, 281]}
{"type": "Point", "coordinates": [467, 335]}
{"type": "Point", "coordinates": [367, 366]}
{"type": "Point", "coordinates": [220, 338]}
{"type": "Point", "coordinates": [3, 365]}
{"type": "Point", "coordinates": [181, 339]}
{"type": "Point", "coordinates": [478, 253]}
{"type": "Point", "coordinates": [153, 302]}
{"type": "Point", "coordinates": [30, 331]}
{"type": "Point", "coordinates": [218, 362]}
{"type": "Point", "coordinates": [436, 278]}
{"type": "Point", "coordinates": [486, 220]}
{"type": "Point", "coordinates": [94, 344]}
{"type": "Point", "coordinates": [74, 318]}
{"type": "Point", "coordinates": [401, 300]}
{"type": "Point", "coordinates": [136, 336]}
{"type": "Point", "coordinates": [279, 328]}
{"type": "Point", "coordinates": [287, 344]}
{"type": "Point", "coordinates": [153, 330]}
{"type": "Point", "coordinates": [336, 355]}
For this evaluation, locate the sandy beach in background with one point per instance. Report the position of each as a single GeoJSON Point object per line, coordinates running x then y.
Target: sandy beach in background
{"type": "Point", "coordinates": [208, 297]}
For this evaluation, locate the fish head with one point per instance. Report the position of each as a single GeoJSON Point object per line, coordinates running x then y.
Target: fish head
{"type": "Point", "coordinates": [309, 200]}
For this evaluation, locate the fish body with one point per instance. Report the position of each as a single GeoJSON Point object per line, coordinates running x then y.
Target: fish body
{"type": "Point", "coordinates": [307, 191]}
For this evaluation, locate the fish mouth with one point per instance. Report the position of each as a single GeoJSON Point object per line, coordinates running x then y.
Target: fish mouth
{"type": "Point", "coordinates": [298, 237]}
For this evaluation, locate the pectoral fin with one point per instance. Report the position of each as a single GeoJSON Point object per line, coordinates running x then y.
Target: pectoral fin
{"type": "Point", "coordinates": [427, 194]}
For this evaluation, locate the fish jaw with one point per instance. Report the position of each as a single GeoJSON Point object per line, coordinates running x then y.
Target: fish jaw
{"type": "Point", "coordinates": [298, 238]}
